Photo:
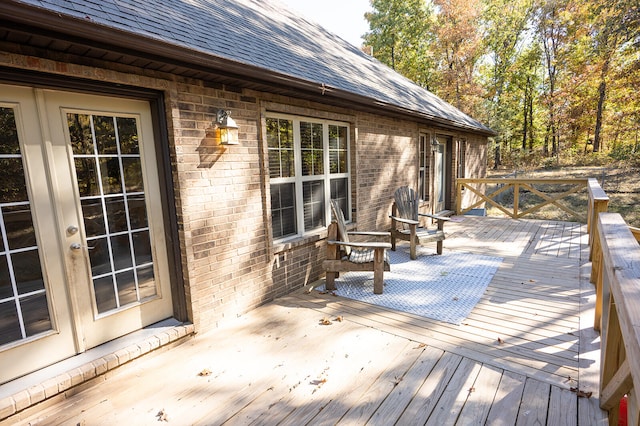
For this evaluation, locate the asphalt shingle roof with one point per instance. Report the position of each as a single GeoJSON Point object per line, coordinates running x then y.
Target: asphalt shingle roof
{"type": "Point", "coordinates": [264, 34]}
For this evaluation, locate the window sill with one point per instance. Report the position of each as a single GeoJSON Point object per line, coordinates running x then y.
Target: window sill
{"type": "Point", "coordinates": [298, 241]}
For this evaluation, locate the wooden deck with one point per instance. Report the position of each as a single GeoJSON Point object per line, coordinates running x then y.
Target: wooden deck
{"type": "Point", "coordinates": [513, 360]}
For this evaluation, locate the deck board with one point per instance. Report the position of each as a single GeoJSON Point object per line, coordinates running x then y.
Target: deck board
{"type": "Point", "coordinates": [279, 365]}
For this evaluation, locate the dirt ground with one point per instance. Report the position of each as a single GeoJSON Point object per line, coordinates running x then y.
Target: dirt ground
{"type": "Point", "coordinates": [622, 185]}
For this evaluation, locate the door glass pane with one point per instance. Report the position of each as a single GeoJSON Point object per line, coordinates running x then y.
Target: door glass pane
{"type": "Point", "coordinates": [87, 176]}
{"type": "Point", "coordinates": [24, 310]}
{"type": "Point", "coordinates": [115, 214]}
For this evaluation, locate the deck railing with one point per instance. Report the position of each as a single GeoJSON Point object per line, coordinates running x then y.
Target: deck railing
{"type": "Point", "coordinates": [519, 186]}
{"type": "Point", "coordinates": [615, 271]}
{"type": "Point", "coordinates": [618, 315]}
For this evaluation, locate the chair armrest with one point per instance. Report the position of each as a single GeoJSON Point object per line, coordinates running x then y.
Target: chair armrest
{"type": "Point", "coordinates": [361, 245]}
{"type": "Point", "coordinates": [433, 216]}
{"type": "Point", "coordinates": [403, 220]}
{"type": "Point", "coordinates": [371, 233]}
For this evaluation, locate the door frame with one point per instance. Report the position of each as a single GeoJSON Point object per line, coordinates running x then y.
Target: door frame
{"type": "Point", "coordinates": [445, 140]}
{"type": "Point", "coordinates": [156, 100]}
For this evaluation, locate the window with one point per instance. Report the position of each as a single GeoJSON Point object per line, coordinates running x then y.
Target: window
{"type": "Point", "coordinates": [308, 165]}
{"type": "Point", "coordinates": [462, 158]}
{"type": "Point", "coordinates": [423, 177]}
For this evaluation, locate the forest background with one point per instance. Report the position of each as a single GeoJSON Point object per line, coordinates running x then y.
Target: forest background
{"type": "Point", "coordinates": [558, 80]}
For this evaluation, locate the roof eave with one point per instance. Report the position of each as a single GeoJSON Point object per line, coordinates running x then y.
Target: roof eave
{"type": "Point", "coordinates": [87, 29]}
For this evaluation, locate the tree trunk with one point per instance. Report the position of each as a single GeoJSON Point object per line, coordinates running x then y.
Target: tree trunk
{"type": "Point", "coordinates": [602, 92]}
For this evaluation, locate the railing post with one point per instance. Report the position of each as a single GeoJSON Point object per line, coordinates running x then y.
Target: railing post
{"type": "Point", "coordinates": [620, 298]}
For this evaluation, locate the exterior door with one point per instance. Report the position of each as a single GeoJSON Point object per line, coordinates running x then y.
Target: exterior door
{"type": "Point", "coordinates": [83, 259]}
{"type": "Point", "coordinates": [440, 174]}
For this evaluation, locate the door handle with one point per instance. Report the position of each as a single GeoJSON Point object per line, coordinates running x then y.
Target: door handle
{"type": "Point", "coordinates": [78, 246]}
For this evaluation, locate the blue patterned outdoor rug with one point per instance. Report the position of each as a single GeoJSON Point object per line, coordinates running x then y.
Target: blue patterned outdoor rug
{"type": "Point", "coordinates": [443, 287]}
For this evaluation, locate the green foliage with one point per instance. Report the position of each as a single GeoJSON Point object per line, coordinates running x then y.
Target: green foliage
{"type": "Point", "coordinates": [555, 78]}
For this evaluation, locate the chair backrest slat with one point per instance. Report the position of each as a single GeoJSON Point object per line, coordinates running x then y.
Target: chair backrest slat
{"type": "Point", "coordinates": [342, 226]}
{"type": "Point", "coordinates": [407, 203]}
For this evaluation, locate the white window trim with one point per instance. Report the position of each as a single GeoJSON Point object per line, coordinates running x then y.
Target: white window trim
{"type": "Point", "coordinates": [326, 177]}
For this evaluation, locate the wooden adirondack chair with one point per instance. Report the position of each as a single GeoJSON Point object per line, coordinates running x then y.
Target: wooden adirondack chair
{"type": "Point", "coordinates": [344, 255]}
{"type": "Point", "coordinates": [405, 222]}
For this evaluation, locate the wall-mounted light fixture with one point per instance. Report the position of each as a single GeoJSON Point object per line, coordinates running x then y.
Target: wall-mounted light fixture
{"type": "Point", "coordinates": [434, 142]}
{"type": "Point", "coordinates": [226, 128]}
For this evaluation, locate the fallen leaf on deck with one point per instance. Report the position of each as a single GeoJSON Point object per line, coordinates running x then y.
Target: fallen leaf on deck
{"type": "Point", "coordinates": [421, 345]}
{"type": "Point", "coordinates": [162, 416]}
{"type": "Point", "coordinates": [444, 273]}
{"type": "Point", "coordinates": [472, 390]}
{"type": "Point", "coordinates": [205, 372]}
{"type": "Point", "coordinates": [532, 281]}
{"type": "Point", "coordinates": [580, 393]}
{"type": "Point", "coordinates": [500, 341]}
{"type": "Point", "coordinates": [325, 321]}
{"type": "Point", "coordinates": [339, 318]}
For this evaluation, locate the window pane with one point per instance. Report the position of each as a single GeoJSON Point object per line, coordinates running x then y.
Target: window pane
{"type": "Point", "coordinates": [8, 132]}
{"type": "Point", "coordinates": [283, 210]}
{"type": "Point", "coordinates": [280, 147]}
{"type": "Point", "coordinates": [126, 288]}
{"type": "Point", "coordinates": [337, 149]}
{"type": "Point", "coordinates": [12, 183]}
{"type": "Point", "coordinates": [132, 174]}
{"type": "Point", "coordinates": [142, 247]}
{"type": "Point", "coordinates": [99, 256]}
{"type": "Point", "coordinates": [146, 282]}
{"type": "Point", "coordinates": [137, 212]}
{"type": "Point", "coordinates": [128, 135]}
{"type": "Point", "coordinates": [116, 214]}
{"type": "Point", "coordinates": [87, 176]}
{"type": "Point", "coordinates": [105, 135]}
{"type": "Point", "coordinates": [105, 295]}
{"type": "Point", "coordinates": [93, 217]}
{"type": "Point", "coordinates": [36, 314]}
{"type": "Point", "coordinates": [111, 179]}
{"type": "Point", "coordinates": [311, 142]}
{"type": "Point", "coordinates": [313, 199]}
{"type": "Point", "coordinates": [19, 226]}
{"type": "Point", "coordinates": [80, 134]}
{"type": "Point", "coordinates": [9, 325]}
{"type": "Point", "coordinates": [121, 252]}
{"type": "Point", "coordinates": [5, 279]}
{"type": "Point", "coordinates": [339, 191]}
{"type": "Point", "coordinates": [27, 277]}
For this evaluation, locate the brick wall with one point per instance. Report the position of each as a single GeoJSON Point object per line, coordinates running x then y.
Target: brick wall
{"type": "Point", "coordinates": [229, 262]}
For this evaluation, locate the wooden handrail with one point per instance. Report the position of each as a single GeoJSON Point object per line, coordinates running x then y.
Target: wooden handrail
{"type": "Point", "coordinates": [619, 299]}
{"type": "Point", "coordinates": [475, 187]}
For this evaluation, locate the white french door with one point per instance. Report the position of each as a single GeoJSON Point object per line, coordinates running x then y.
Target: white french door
{"type": "Point", "coordinates": [82, 257]}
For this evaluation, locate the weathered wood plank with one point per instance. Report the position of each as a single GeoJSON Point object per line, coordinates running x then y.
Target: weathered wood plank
{"type": "Point", "coordinates": [455, 394]}
{"type": "Point", "coordinates": [563, 407]}
{"type": "Point", "coordinates": [506, 402]}
{"type": "Point", "coordinates": [426, 398]}
{"type": "Point", "coordinates": [403, 393]}
{"type": "Point", "coordinates": [481, 396]}
{"type": "Point", "coordinates": [535, 404]}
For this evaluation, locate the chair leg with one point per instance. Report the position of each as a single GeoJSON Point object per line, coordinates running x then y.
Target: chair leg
{"type": "Point", "coordinates": [378, 271]}
{"type": "Point", "coordinates": [439, 248]}
{"type": "Point", "coordinates": [412, 245]}
{"type": "Point", "coordinates": [330, 281]}
{"type": "Point", "coordinates": [393, 241]}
